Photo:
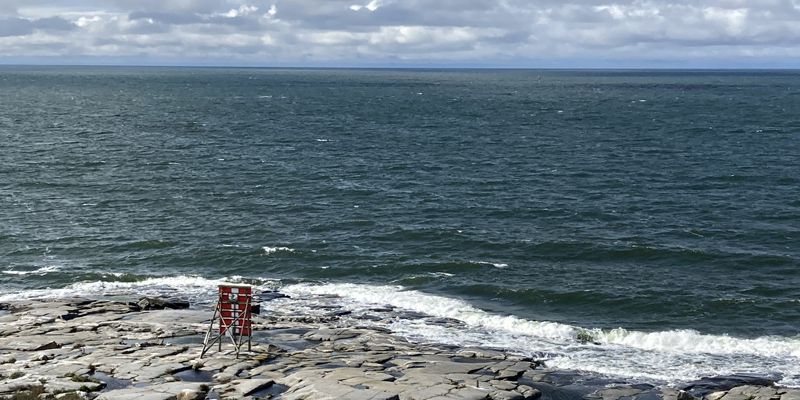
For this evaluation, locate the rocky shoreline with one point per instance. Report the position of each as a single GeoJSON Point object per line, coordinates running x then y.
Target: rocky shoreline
{"type": "Point", "coordinates": [150, 348]}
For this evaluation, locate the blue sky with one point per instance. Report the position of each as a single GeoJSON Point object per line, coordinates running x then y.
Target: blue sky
{"type": "Point", "coordinates": [414, 33]}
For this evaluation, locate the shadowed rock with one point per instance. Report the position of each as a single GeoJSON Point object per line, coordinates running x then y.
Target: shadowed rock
{"type": "Point", "coordinates": [156, 303]}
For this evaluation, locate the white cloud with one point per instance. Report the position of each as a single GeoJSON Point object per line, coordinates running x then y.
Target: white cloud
{"type": "Point", "coordinates": [241, 11]}
{"type": "Point", "coordinates": [496, 31]}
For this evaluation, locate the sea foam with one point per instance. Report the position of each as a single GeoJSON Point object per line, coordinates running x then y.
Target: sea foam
{"type": "Point", "coordinates": [40, 271]}
{"type": "Point", "coordinates": [668, 356]}
{"type": "Point", "coordinates": [270, 250]}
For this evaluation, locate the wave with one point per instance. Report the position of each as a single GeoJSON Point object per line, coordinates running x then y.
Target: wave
{"type": "Point", "coordinates": [270, 250]}
{"type": "Point", "coordinates": [672, 341]}
{"type": "Point", "coordinates": [40, 271]}
{"type": "Point", "coordinates": [671, 356]}
{"type": "Point", "coordinates": [197, 289]}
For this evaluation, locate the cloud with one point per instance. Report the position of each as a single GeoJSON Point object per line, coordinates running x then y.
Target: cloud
{"type": "Point", "coordinates": [356, 31]}
{"type": "Point", "coordinates": [165, 18]}
{"type": "Point", "coordinates": [175, 6]}
{"type": "Point", "coordinates": [22, 27]}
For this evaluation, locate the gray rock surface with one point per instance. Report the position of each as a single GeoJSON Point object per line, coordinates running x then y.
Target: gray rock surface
{"type": "Point", "coordinates": [121, 350]}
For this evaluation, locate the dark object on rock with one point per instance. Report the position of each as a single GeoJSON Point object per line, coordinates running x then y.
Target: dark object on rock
{"type": "Point", "coordinates": [724, 383]}
{"type": "Point", "coordinates": [255, 308]}
{"type": "Point", "coordinates": [412, 315]}
{"type": "Point", "coordinates": [70, 314]}
{"type": "Point", "coordinates": [48, 346]}
{"type": "Point", "coordinates": [267, 296]}
{"type": "Point", "coordinates": [444, 321]}
{"type": "Point", "coordinates": [152, 303]}
{"type": "Point", "coordinates": [684, 395]}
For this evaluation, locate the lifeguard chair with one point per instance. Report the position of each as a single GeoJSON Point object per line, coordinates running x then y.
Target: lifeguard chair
{"type": "Point", "coordinates": [233, 314]}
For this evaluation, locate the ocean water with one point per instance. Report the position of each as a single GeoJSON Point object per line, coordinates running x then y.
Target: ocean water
{"type": "Point", "coordinates": [656, 213]}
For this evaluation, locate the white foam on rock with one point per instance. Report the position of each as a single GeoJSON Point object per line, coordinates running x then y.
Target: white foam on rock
{"type": "Point", "coordinates": [665, 356]}
{"type": "Point", "coordinates": [655, 357]}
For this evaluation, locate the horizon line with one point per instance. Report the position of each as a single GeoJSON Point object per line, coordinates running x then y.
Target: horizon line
{"type": "Point", "coordinates": [406, 67]}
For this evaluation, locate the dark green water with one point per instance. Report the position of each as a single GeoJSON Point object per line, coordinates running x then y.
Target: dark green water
{"type": "Point", "coordinates": [655, 201]}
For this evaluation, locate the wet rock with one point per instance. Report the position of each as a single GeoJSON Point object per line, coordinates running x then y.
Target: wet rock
{"type": "Point", "coordinates": [443, 321]}
{"type": "Point", "coordinates": [155, 303]}
{"type": "Point", "coordinates": [267, 296]}
{"type": "Point", "coordinates": [722, 383]}
{"type": "Point", "coordinates": [618, 392]}
{"type": "Point", "coordinates": [412, 315]}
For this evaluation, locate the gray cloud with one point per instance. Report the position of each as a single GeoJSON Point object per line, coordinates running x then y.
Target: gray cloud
{"type": "Point", "coordinates": [8, 8]}
{"type": "Point", "coordinates": [22, 26]}
{"type": "Point", "coordinates": [169, 18]}
{"type": "Point", "coordinates": [178, 6]}
{"type": "Point", "coordinates": [378, 30]}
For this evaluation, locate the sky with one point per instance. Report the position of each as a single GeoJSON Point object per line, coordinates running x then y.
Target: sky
{"type": "Point", "coordinates": [397, 33]}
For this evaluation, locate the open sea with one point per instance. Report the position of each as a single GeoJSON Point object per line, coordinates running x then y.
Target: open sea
{"type": "Point", "coordinates": [639, 225]}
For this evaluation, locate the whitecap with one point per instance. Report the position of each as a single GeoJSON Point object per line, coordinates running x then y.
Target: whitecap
{"type": "Point", "coordinates": [270, 250]}
{"type": "Point", "coordinates": [40, 271]}
{"type": "Point", "coordinates": [496, 265]}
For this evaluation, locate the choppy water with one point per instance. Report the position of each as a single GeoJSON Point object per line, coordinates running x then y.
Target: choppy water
{"type": "Point", "coordinates": [658, 211]}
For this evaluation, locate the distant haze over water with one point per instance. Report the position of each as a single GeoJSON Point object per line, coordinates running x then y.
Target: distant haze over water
{"type": "Point", "coordinates": [531, 205]}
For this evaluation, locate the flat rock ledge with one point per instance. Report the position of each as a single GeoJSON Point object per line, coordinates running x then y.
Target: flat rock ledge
{"type": "Point", "coordinates": [90, 349]}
